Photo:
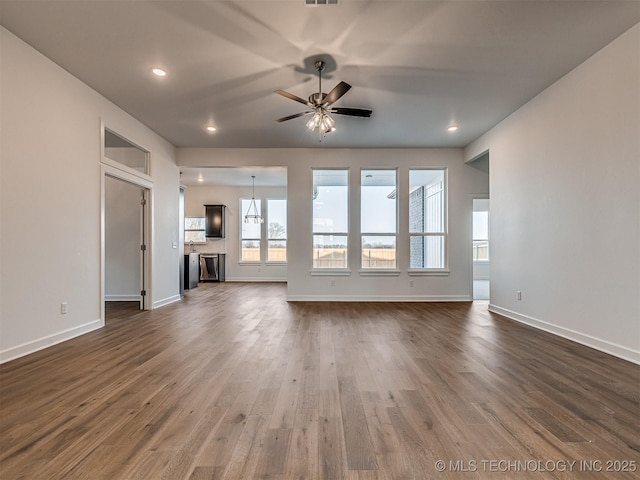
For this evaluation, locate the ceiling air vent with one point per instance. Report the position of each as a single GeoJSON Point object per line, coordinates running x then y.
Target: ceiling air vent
{"type": "Point", "coordinates": [321, 2]}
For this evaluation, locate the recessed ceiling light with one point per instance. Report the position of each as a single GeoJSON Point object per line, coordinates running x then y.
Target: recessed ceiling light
{"type": "Point", "coordinates": [211, 129]}
{"type": "Point", "coordinates": [159, 72]}
{"type": "Point", "coordinates": [452, 128]}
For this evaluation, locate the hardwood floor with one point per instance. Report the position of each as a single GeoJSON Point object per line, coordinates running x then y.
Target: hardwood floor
{"type": "Point", "coordinates": [235, 383]}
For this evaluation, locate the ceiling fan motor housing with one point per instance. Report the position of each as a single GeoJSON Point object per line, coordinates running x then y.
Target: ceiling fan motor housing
{"type": "Point", "coordinates": [317, 98]}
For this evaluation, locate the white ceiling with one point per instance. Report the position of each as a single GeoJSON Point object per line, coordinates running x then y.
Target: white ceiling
{"type": "Point", "coordinates": [420, 65]}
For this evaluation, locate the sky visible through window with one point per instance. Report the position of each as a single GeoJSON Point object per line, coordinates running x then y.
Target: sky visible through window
{"type": "Point", "coordinates": [331, 214]}
{"type": "Point", "coordinates": [378, 211]}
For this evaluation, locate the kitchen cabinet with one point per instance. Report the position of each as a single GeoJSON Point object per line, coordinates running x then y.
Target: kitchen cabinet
{"type": "Point", "coordinates": [215, 220]}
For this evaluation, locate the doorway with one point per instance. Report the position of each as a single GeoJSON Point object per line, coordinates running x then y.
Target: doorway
{"type": "Point", "coordinates": [125, 241]}
{"type": "Point", "coordinates": [480, 246]}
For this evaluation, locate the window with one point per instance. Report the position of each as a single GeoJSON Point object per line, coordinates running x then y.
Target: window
{"type": "Point", "coordinates": [481, 236]}
{"type": "Point", "coordinates": [250, 233]}
{"type": "Point", "coordinates": [276, 230]}
{"type": "Point", "coordinates": [330, 218]}
{"type": "Point", "coordinates": [378, 218]}
{"type": "Point", "coordinates": [121, 150]}
{"type": "Point", "coordinates": [427, 219]}
{"type": "Point", "coordinates": [194, 230]}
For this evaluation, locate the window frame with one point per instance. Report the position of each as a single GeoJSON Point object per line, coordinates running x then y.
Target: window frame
{"type": "Point", "coordinates": [268, 239]}
{"type": "Point", "coordinates": [316, 270]}
{"type": "Point", "coordinates": [444, 270]}
{"type": "Point", "coordinates": [395, 234]}
{"type": "Point", "coordinates": [124, 135]}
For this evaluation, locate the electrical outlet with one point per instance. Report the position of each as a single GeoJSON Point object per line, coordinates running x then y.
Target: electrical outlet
{"type": "Point", "coordinates": [518, 295]}
{"type": "Point", "coordinates": [411, 283]}
{"type": "Point", "coordinates": [333, 283]}
{"type": "Point", "coordinates": [63, 308]}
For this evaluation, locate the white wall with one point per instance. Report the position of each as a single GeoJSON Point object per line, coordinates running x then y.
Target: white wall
{"type": "Point", "coordinates": [463, 181]}
{"type": "Point", "coordinates": [196, 197]}
{"type": "Point", "coordinates": [50, 201]}
{"type": "Point", "coordinates": [123, 221]}
{"type": "Point", "coordinates": [565, 204]}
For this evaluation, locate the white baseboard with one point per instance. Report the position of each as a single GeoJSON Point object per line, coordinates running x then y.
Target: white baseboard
{"type": "Point", "coordinates": [122, 298]}
{"type": "Point", "coordinates": [378, 298]}
{"type": "Point", "coordinates": [602, 345]}
{"type": "Point", "coordinates": [256, 279]}
{"type": "Point", "coordinates": [48, 341]}
{"type": "Point", "coordinates": [166, 301]}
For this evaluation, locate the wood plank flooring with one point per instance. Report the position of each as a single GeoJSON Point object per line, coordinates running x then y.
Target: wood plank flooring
{"type": "Point", "coordinates": [233, 383]}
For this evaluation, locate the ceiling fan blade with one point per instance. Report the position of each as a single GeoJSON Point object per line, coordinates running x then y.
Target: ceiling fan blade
{"type": "Point", "coordinates": [353, 112]}
{"type": "Point", "coordinates": [284, 119]}
{"type": "Point", "coordinates": [292, 97]}
{"type": "Point", "coordinates": [337, 92]}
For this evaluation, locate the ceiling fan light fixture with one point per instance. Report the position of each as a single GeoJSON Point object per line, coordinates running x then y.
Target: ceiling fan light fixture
{"type": "Point", "coordinates": [321, 121]}
{"type": "Point", "coordinates": [321, 105]}
{"type": "Point", "coordinates": [327, 124]}
{"type": "Point", "coordinates": [314, 121]}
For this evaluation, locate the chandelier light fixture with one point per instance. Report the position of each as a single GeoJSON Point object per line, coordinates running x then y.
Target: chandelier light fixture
{"type": "Point", "coordinates": [252, 212]}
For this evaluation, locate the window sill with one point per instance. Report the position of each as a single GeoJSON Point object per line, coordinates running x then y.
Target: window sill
{"type": "Point", "coordinates": [379, 273]}
{"type": "Point", "coordinates": [276, 263]}
{"type": "Point", "coordinates": [250, 263]}
{"type": "Point", "coordinates": [428, 273]}
{"type": "Point", "coordinates": [330, 272]}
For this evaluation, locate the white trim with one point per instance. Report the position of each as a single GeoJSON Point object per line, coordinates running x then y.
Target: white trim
{"type": "Point", "coordinates": [126, 176]}
{"type": "Point", "coordinates": [379, 298]}
{"type": "Point", "coordinates": [416, 272]}
{"type": "Point", "coordinates": [330, 272]}
{"type": "Point", "coordinates": [122, 298]}
{"type": "Point", "coordinates": [619, 351]}
{"type": "Point", "coordinates": [48, 341]}
{"type": "Point", "coordinates": [256, 279]}
{"type": "Point", "coordinates": [167, 301]}
{"type": "Point", "coordinates": [125, 169]}
{"type": "Point", "coordinates": [379, 273]}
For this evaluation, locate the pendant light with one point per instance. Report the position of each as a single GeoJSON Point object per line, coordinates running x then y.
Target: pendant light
{"type": "Point", "coordinates": [252, 211]}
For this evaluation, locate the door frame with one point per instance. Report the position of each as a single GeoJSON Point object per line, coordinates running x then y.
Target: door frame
{"type": "Point", "coordinates": [147, 230]}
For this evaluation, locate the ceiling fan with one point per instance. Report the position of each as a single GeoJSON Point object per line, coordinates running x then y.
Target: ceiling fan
{"type": "Point", "coordinates": [320, 105]}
